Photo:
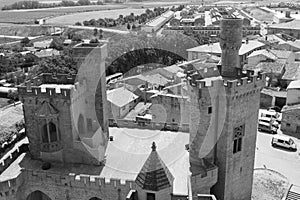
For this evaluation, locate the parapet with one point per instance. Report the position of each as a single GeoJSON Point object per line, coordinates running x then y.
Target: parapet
{"type": "Point", "coordinates": [198, 80]}
{"type": "Point", "coordinates": [32, 87]}
{"type": "Point", "coordinates": [77, 180]}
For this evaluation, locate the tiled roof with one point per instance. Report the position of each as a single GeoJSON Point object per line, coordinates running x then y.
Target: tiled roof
{"type": "Point", "coordinates": [120, 96]}
{"type": "Point", "coordinates": [292, 71]}
{"type": "Point", "coordinates": [294, 85]}
{"type": "Point", "coordinates": [295, 25]}
{"type": "Point", "coordinates": [154, 175]}
{"type": "Point", "coordinates": [263, 52]}
{"type": "Point", "coordinates": [47, 53]}
{"type": "Point", "coordinates": [268, 67]}
{"type": "Point", "coordinates": [215, 47]}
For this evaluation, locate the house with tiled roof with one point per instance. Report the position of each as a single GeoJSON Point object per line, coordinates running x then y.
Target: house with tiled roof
{"type": "Point", "coordinates": [290, 123]}
{"type": "Point", "coordinates": [121, 101]}
{"type": "Point", "coordinates": [246, 49]}
{"type": "Point", "coordinates": [292, 73]}
{"type": "Point", "coordinates": [291, 28]}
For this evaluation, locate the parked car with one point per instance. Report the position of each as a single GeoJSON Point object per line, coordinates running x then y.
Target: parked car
{"type": "Point", "coordinates": [271, 114]}
{"type": "Point", "coordinates": [275, 108]}
{"type": "Point", "coordinates": [284, 141]}
{"type": "Point", "coordinates": [266, 127]}
{"type": "Point", "coordinates": [269, 121]}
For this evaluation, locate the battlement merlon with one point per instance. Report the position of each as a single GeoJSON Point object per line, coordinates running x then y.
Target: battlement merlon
{"type": "Point", "coordinates": [232, 85]}
{"type": "Point", "coordinates": [76, 180]}
{"type": "Point", "coordinates": [33, 86]}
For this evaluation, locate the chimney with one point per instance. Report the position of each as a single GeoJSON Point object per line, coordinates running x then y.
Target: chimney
{"type": "Point", "coordinates": [288, 14]}
{"type": "Point", "coordinates": [230, 42]}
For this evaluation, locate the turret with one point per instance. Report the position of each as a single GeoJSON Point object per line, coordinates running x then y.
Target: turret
{"type": "Point", "coordinates": [230, 43]}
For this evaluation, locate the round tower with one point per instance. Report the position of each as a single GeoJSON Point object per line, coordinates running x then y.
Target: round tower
{"type": "Point", "coordinates": [231, 41]}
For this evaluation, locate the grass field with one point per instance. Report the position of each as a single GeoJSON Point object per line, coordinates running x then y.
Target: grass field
{"type": "Point", "coordinates": [30, 16]}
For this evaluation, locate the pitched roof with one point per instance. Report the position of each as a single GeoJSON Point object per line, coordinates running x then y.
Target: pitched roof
{"type": "Point", "coordinates": [215, 47]}
{"type": "Point", "coordinates": [46, 110]}
{"type": "Point", "coordinates": [292, 71]}
{"type": "Point", "coordinates": [120, 96]}
{"type": "Point", "coordinates": [47, 53]}
{"type": "Point", "coordinates": [294, 85]}
{"type": "Point", "coordinates": [295, 25]}
{"type": "Point", "coordinates": [154, 175]}
{"type": "Point", "coordinates": [288, 108]}
{"type": "Point", "coordinates": [263, 52]}
{"type": "Point", "coordinates": [268, 67]}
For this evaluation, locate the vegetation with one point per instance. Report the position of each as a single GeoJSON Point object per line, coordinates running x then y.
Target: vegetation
{"type": "Point", "coordinates": [126, 20]}
{"type": "Point", "coordinates": [36, 4]}
{"type": "Point", "coordinates": [13, 96]}
{"type": "Point", "coordinates": [128, 51]}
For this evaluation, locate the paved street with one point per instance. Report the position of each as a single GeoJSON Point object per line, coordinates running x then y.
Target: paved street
{"type": "Point", "coordinates": [283, 161]}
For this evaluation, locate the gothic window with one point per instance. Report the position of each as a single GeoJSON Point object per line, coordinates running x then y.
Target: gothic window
{"type": "Point", "coordinates": [238, 134]}
{"type": "Point", "coordinates": [49, 133]}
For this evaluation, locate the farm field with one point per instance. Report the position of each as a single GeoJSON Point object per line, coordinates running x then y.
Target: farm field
{"type": "Point", "coordinates": [28, 16]}
{"type": "Point", "coordinates": [71, 19]}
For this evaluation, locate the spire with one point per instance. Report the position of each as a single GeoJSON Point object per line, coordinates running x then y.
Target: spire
{"type": "Point", "coordinates": [154, 175]}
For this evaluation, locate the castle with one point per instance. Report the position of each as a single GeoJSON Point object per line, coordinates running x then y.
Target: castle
{"type": "Point", "coordinates": [71, 157]}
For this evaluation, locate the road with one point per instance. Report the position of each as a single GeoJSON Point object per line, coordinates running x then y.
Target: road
{"type": "Point", "coordinates": [283, 161]}
{"type": "Point", "coordinates": [104, 29]}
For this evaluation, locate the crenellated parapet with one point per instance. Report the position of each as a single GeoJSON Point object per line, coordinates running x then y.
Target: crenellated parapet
{"type": "Point", "coordinates": [247, 80]}
{"type": "Point", "coordinates": [72, 180]}
{"type": "Point", "coordinates": [33, 86]}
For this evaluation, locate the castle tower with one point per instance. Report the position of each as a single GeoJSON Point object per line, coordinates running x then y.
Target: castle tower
{"type": "Point", "coordinates": [223, 122]}
{"type": "Point", "coordinates": [65, 116]}
{"type": "Point", "coordinates": [230, 42]}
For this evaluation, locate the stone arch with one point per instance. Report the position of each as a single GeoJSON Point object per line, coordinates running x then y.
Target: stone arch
{"type": "Point", "coordinates": [81, 125]}
{"type": "Point", "coordinates": [94, 198]}
{"type": "Point", "coordinates": [38, 195]}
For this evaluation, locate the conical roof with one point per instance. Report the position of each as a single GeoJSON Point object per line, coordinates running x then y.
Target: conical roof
{"type": "Point", "coordinates": [46, 110]}
{"type": "Point", "coordinates": [154, 175]}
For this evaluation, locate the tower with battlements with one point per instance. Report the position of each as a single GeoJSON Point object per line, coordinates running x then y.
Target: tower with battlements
{"type": "Point", "coordinates": [65, 116]}
{"type": "Point", "coordinates": [223, 121]}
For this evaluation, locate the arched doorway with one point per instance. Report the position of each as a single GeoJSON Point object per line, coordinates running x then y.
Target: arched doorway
{"type": "Point", "coordinates": [94, 198]}
{"type": "Point", "coordinates": [38, 195]}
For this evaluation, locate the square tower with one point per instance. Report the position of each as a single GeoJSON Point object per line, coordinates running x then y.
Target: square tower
{"type": "Point", "coordinates": [223, 122]}
{"type": "Point", "coordinates": [65, 115]}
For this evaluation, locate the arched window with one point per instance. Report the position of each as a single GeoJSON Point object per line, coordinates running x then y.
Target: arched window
{"type": "Point", "coordinates": [50, 133]}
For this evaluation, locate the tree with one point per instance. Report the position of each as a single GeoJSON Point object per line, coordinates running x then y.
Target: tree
{"type": "Point", "coordinates": [13, 95]}
{"type": "Point", "coordinates": [78, 24]}
{"type": "Point", "coordinates": [57, 44]}
{"type": "Point", "coordinates": [25, 41]}
{"type": "Point", "coordinates": [128, 26]}
{"type": "Point", "coordinates": [83, 2]}
{"type": "Point", "coordinates": [133, 26]}
{"type": "Point", "coordinates": [95, 32]}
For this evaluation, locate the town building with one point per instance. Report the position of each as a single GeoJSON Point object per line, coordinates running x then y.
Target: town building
{"type": "Point", "coordinates": [291, 28]}
{"type": "Point", "coordinates": [158, 22]}
{"type": "Point", "coordinates": [290, 123]}
{"type": "Point", "coordinates": [71, 158]}
{"type": "Point", "coordinates": [248, 46]}
{"type": "Point", "coordinates": [121, 101]}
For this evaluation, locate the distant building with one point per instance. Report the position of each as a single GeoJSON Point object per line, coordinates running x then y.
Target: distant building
{"type": "Point", "coordinates": [42, 44]}
{"type": "Point", "coordinates": [158, 22]}
{"type": "Point", "coordinates": [247, 48]}
{"type": "Point", "coordinates": [120, 102]}
{"type": "Point", "coordinates": [46, 53]}
{"type": "Point", "coordinates": [290, 123]}
{"type": "Point", "coordinates": [291, 28]}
